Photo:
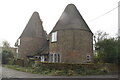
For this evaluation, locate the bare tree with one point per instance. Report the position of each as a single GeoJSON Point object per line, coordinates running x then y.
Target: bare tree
{"type": "Point", "coordinates": [99, 36]}
{"type": "Point", "coordinates": [5, 44]}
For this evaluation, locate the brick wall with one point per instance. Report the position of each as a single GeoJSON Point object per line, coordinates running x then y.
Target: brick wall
{"type": "Point", "coordinates": [30, 45]}
{"type": "Point", "coordinates": [73, 45]}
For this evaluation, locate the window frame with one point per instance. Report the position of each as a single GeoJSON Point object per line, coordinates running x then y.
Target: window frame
{"type": "Point", "coordinates": [50, 57]}
{"type": "Point", "coordinates": [88, 58]}
{"type": "Point", "coordinates": [54, 58]}
{"type": "Point", "coordinates": [42, 58]}
{"type": "Point", "coordinates": [19, 42]}
{"type": "Point", "coordinates": [54, 36]}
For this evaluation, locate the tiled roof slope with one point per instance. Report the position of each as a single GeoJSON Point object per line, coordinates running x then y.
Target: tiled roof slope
{"type": "Point", "coordinates": [34, 27]}
{"type": "Point", "coordinates": [71, 19]}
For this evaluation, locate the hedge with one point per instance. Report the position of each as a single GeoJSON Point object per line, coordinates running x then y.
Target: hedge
{"type": "Point", "coordinates": [24, 62]}
{"type": "Point", "coordinates": [82, 67]}
{"type": "Point", "coordinates": [67, 68]}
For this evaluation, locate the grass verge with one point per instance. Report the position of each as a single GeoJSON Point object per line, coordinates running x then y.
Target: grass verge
{"type": "Point", "coordinates": [63, 72]}
{"type": "Point", "coordinates": [19, 68]}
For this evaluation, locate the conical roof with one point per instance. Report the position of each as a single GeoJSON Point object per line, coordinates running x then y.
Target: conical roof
{"type": "Point", "coordinates": [71, 19]}
{"type": "Point", "coordinates": [34, 27]}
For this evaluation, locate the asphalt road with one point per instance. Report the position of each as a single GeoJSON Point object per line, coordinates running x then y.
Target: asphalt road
{"type": "Point", "coordinates": [10, 73]}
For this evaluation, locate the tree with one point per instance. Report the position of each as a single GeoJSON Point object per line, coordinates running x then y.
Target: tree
{"type": "Point", "coordinates": [106, 48]}
{"type": "Point", "coordinates": [7, 54]}
{"type": "Point", "coordinates": [5, 44]}
{"type": "Point", "coordinates": [99, 36]}
{"type": "Point", "coordinates": [118, 50]}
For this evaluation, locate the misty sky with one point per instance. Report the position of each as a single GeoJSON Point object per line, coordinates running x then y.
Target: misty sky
{"type": "Point", "coordinates": [14, 15]}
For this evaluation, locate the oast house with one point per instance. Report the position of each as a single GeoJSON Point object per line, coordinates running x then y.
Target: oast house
{"type": "Point", "coordinates": [70, 41]}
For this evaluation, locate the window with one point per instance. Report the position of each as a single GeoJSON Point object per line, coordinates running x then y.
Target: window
{"type": "Point", "coordinates": [58, 57]}
{"type": "Point", "coordinates": [37, 57]}
{"type": "Point", "coordinates": [54, 57]}
{"type": "Point", "coordinates": [54, 37]}
{"type": "Point", "coordinates": [18, 42]}
{"type": "Point", "coordinates": [88, 57]}
{"type": "Point", "coordinates": [16, 50]}
{"type": "Point", "coordinates": [51, 58]}
{"type": "Point", "coordinates": [42, 58]}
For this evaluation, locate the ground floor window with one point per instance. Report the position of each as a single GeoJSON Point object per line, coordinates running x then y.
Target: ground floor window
{"type": "Point", "coordinates": [42, 58]}
{"type": "Point", "coordinates": [88, 58]}
{"type": "Point", "coordinates": [50, 57]}
{"type": "Point", "coordinates": [54, 57]}
{"type": "Point", "coordinates": [37, 57]}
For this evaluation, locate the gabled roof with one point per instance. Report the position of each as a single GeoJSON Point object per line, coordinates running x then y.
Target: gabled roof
{"type": "Point", "coordinates": [34, 27]}
{"type": "Point", "coordinates": [71, 19]}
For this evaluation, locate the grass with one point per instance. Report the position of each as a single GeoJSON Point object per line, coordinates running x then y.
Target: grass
{"type": "Point", "coordinates": [63, 72]}
{"type": "Point", "coordinates": [19, 68]}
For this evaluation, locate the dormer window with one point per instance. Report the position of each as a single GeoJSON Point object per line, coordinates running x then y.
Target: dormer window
{"type": "Point", "coordinates": [54, 37]}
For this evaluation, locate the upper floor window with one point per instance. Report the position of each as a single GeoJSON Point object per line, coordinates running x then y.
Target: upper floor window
{"type": "Point", "coordinates": [18, 42]}
{"type": "Point", "coordinates": [54, 37]}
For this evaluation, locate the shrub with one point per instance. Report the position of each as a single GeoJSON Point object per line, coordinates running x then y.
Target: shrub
{"type": "Point", "coordinates": [7, 56]}
{"type": "Point", "coordinates": [67, 69]}
{"type": "Point", "coordinates": [19, 62]}
{"type": "Point", "coordinates": [80, 70]}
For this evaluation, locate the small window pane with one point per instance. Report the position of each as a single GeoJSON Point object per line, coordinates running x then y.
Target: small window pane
{"type": "Point", "coordinates": [55, 56]}
{"type": "Point", "coordinates": [58, 57]}
{"type": "Point", "coordinates": [51, 57]}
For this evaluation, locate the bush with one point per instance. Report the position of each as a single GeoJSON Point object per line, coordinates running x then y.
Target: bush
{"type": "Point", "coordinates": [19, 62]}
{"type": "Point", "coordinates": [80, 70]}
{"type": "Point", "coordinates": [7, 56]}
{"type": "Point", "coordinates": [66, 69]}
{"type": "Point", "coordinates": [11, 62]}
{"type": "Point", "coordinates": [73, 69]}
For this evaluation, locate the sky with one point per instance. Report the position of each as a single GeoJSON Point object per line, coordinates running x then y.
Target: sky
{"type": "Point", "coordinates": [15, 14]}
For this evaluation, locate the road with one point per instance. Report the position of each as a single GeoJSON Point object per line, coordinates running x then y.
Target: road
{"type": "Point", "coordinates": [10, 73]}
{"type": "Point", "coordinates": [0, 71]}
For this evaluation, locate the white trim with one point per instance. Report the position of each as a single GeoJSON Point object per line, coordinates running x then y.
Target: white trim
{"type": "Point", "coordinates": [54, 37]}
{"type": "Point", "coordinates": [17, 52]}
{"type": "Point", "coordinates": [88, 58]}
{"type": "Point", "coordinates": [19, 42]}
{"type": "Point", "coordinates": [56, 57]}
{"type": "Point", "coordinates": [53, 58]}
{"type": "Point", "coordinates": [42, 58]}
